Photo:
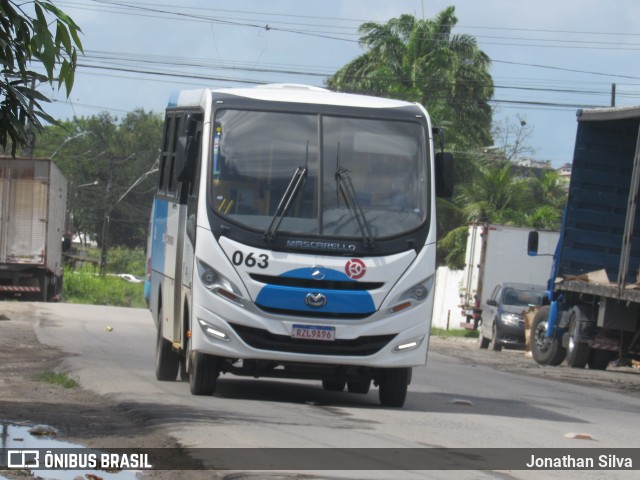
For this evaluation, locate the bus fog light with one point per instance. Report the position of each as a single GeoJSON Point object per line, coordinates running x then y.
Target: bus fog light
{"type": "Point", "coordinates": [213, 332]}
{"type": "Point", "coordinates": [410, 345]}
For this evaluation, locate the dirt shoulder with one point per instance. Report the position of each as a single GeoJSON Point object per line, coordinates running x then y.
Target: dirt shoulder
{"type": "Point", "coordinates": [80, 417]}
{"type": "Point", "coordinates": [619, 379]}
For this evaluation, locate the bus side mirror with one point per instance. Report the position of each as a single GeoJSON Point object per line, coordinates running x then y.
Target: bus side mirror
{"type": "Point", "coordinates": [532, 244]}
{"type": "Point", "coordinates": [444, 174]}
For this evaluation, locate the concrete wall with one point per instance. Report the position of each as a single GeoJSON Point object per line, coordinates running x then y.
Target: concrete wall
{"type": "Point", "coordinates": [447, 299]}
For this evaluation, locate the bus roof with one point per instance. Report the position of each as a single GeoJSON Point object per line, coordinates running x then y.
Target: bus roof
{"type": "Point", "coordinates": [283, 92]}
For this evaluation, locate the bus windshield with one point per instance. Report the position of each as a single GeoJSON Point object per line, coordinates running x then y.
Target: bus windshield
{"type": "Point", "coordinates": [288, 173]}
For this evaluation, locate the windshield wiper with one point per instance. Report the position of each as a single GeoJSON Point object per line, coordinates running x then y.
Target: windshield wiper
{"type": "Point", "coordinates": [290, 194]}
{"type": "Point", "coordinates": [343, 179]}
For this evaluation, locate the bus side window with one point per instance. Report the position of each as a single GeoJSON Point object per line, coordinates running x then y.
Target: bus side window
{"type": "Point", "coordinates": [165, 158]}
{"type": "Point", "coordinates": [168, 183]}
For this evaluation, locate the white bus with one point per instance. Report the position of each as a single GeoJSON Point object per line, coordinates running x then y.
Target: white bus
{"type": "Point", "coordinates": [293, 235]}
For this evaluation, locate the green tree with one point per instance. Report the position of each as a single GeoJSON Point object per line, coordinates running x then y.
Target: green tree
{"type": "Point", "coordinates": [497, 194]}
{"type": "Point", "coordinates": [25, 39]}
{"type": "Point", "coordinates": [494, 195]}
{"type": "Point", "coordinates": [423, 61]}
{"type": "Point", "coordinates": [109, 165]}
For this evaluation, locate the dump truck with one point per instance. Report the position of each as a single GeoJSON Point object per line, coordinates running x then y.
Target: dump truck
{"type": "Point", "coordinates": [496, 254]}
{"type": "Point", "coordinates": [594, 292]}
{"type": "Point", "coordinates": [33, 195]}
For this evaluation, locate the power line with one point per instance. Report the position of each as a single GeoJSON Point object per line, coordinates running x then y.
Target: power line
{"type": "Point", "coordinates": [154, 10]}
{"type": "Point", "coordinates": [565, 69]}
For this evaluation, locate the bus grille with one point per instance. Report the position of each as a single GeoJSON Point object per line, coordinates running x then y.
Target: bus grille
{"type": "Point", "coordinates": [304, 313]}
{"type": "Point", "coordinates": [264, 340]}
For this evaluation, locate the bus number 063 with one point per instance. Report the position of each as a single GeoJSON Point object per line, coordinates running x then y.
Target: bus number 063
{"type": "Point", "coordinates": [250, 261]}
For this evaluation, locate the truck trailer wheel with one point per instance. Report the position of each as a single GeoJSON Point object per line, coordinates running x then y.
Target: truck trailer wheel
{"type": "Point", "coordinates": [545, 351]}
{"type": "Point", "coordinates": [393, 383]}
{"type": "Point", "coordinates": [599, 359]}
{"type": "Point", "coordinates": [167, 360]}
{"type": "Point", "coordinates": [577, 352]}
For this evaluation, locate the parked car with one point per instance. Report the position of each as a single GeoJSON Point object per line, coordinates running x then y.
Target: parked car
{"type": "Point", "coordinates": [502, 322]}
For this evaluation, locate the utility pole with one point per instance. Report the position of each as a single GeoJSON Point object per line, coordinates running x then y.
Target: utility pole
{"type": "Point", "coordinates": [105, 219]}
{"type": "Point", "coordinates": [613, 94]}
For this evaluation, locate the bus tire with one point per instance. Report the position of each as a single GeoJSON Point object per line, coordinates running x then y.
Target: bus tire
{"type": "Point", "coordinates": [167, 360]}
{"type": "Point", "coordinates": [203, 374]}
{"type": "Point", "coordinates": [577, 352]}
{"type": "Point", "coordinates": [545, 351]}
{"type": "Point", "coordinates": [333, 385]}
{"type": "Point", "coordinates": [392, 386]}
{"type": "Point", "coordinates": [359, 386]}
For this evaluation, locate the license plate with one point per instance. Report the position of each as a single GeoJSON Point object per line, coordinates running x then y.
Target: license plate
{"type": "Point", "coordinates": [314, 332]}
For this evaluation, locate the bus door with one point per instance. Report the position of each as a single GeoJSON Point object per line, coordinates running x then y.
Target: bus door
{"type": "Point", "coordinates": [170, 222]}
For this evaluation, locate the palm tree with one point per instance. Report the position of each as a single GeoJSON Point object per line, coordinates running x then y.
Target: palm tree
{"type": "Point", "coordinates": [422, 61]}
{"type": "Point", "coordinates": [494, 195]}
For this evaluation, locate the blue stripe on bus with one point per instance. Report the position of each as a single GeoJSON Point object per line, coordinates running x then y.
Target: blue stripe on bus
{"type": "Point", "coordinates": [293, 298]}
{"type": "Point", "coordinates": [173, 98]}
{"type": "Point", "coordinates": [159, 229]}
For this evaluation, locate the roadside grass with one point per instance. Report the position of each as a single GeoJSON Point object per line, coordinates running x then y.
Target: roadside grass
{"type": "Point", "coordinates": [54, 378]}
{"type": "Point", "coordinates": [83, 284]}
{"type": "Point", "coordinates": [462, 333]}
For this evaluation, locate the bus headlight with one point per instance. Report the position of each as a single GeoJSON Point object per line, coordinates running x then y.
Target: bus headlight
{"type": "Point", "coordinates": [217, 283]}
{"type": "Point", "coordinates": [414, 295]}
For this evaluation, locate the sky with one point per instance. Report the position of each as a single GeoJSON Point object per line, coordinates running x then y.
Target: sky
{"type": "Point", "coordinates": [549, 57]}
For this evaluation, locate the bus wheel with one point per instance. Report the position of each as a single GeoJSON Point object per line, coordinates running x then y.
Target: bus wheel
{"type": "Point", "coordinates": [167, 360]}
{"type": "Point", "coordinates": [393, 383]}
{"type": "Point", "coordinates": [359, 386]}
{"type": "Point", "coordinates": [203, 374]}
{"type": "Point", "coordinates": [333, 385]}
{"type": "Point", "coordinates": [184, 375]}
{"type": "Point", "coordinates": [545, 351]}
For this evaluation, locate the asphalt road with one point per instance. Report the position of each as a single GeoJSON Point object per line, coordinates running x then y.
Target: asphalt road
{"type": "Point", "coordinates": [450, 402]}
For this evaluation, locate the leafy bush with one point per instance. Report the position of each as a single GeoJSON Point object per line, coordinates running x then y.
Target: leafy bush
{"type": "Point", "coordinates": [85, 286]}
{"type": "Point", "coordinates": [126, 260]}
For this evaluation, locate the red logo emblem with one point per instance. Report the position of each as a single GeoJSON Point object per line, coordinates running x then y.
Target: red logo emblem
{"type": "Point", "coordinates": [355, 268]}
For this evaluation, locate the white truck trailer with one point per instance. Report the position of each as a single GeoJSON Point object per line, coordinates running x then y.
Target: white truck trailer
{"type": "Point", "coordinates": [497, 253]}
{"type": "Point", "coordinates": [33, 195]}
